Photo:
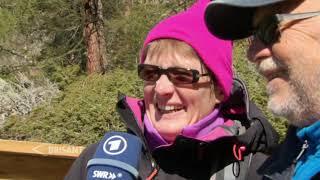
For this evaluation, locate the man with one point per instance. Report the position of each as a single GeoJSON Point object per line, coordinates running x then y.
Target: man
{"type": "Point", "coordinates": [285, 47]}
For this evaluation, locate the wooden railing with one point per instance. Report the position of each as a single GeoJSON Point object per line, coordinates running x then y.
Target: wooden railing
{"type": "Point", "coordinates": [36, 161]}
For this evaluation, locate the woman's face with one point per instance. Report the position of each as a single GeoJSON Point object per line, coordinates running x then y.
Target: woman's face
{"type": "Point", "coordinates": [172, 107]}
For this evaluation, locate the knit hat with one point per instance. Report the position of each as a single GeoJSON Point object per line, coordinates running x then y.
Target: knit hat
{"type": "Point", "coordinates": [189, 27]}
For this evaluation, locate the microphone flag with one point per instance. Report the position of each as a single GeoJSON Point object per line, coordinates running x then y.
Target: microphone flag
{"type": "Point", "coordinates": [117, 157]}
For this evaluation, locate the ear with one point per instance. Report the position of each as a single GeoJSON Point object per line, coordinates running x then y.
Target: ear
{"type": "Point", "coordinates": [218, 93]}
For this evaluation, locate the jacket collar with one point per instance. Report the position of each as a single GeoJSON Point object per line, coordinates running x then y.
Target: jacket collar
{"type": "Point", "coordinates": [278, 167]}
{"type": "Point", "coordinates": [310, 133]}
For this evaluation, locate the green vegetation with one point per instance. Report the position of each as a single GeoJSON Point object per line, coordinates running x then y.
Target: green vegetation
{"type": "Point", "coordinates": [52, 46]}
{"type": "Point", "coordinates": [81, 114]}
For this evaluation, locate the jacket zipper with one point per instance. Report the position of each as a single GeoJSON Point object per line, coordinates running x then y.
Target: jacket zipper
{"type": "Point", "coordinates": [304, 147]}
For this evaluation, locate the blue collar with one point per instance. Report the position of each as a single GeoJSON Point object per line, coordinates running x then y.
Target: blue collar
{"type": "Point", "coordinates": [310, 133]}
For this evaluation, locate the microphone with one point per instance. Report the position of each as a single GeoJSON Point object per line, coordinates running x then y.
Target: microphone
{"type": "Point", "coordinates": [117, 157]}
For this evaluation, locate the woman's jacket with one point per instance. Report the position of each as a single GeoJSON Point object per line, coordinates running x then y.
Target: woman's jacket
{"type": "Point", "coordinates": [237, 155]}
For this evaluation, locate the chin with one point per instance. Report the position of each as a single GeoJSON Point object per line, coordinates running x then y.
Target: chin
{"type": "Point", "coordinates": [168, 136]}
{"type": "Point", "coordinates": [168, 132]}
{"type": "Point", "coordinates": [285, 107]}
{"type": "Point", "coordinates": [278, 108]}
{"type": "Point", "coordinates": [289, 108]}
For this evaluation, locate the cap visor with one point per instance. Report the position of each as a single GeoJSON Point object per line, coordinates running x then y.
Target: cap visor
{"type": "Point", "coordinates": [232, 19]}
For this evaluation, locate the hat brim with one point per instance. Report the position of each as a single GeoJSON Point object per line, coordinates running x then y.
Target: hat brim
{"type": "Point", "coordinates": [232, 19]}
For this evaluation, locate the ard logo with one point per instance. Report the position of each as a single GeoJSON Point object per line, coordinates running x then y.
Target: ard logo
{"type": "Point", "coordinates": [115, 145]}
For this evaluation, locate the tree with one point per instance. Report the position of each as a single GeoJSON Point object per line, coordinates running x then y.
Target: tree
{"type": "Point", "coordinates": [94, 37]}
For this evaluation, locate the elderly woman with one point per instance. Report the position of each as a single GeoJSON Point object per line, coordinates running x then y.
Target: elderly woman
{"type": "Point", "coordinates": [192, 125]}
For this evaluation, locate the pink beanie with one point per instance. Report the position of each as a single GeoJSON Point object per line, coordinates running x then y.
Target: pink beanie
{"type": "Point", "coordinates": [189, 27]}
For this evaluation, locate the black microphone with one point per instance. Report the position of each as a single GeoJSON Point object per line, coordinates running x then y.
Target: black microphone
{"type": "Point", "coordinates": [117, 157]}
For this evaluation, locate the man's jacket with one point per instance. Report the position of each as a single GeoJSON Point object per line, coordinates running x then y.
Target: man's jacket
{"type": "Point", "coordinates": [298, 157]}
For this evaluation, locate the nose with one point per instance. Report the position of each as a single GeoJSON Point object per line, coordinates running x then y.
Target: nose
{"type": "Point", "coordinates": [164, 87]}
{"type": "Point", "coordinates": [258, 51]}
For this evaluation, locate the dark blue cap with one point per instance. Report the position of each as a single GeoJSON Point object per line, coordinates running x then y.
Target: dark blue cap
{"type": "Point", "coordinates": [232, 19]}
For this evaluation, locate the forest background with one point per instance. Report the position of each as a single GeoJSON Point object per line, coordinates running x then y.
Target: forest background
{"type": "Point", "coordinates": [64, 62]}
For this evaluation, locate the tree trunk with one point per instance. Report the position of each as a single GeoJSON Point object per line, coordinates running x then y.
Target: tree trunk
{"type": "Point", "coordinates": [94, 37]}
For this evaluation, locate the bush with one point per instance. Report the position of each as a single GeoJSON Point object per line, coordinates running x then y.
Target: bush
{"type": "Point", "coordinates": [22, 96]}
{"type": "Point", "coordinates": [81, 115]}
{"type": "Point", "coordinates": [61, 75]}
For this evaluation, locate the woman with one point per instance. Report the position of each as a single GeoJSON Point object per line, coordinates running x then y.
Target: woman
{"type": "Point", "coordinates": [192, 125]}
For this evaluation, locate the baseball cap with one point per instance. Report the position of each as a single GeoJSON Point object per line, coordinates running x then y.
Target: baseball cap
{"type": "Point", "coordinates": [232, 19]}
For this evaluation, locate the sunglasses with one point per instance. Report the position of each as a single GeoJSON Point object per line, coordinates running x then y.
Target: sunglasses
{"type": "Point", "coordinates": [176, 75]}
{"type": "Point", "coordinates": [268, 31]}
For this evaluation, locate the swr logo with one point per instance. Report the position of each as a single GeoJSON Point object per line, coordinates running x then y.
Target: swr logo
{"type": "Point", "coordinates": [115, 145]}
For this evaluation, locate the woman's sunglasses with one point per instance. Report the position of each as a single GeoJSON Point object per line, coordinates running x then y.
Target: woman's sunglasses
{"type": "Point", "coordinates": [268, 31]}
{"type": "Point", "coordinates": [176, 75]}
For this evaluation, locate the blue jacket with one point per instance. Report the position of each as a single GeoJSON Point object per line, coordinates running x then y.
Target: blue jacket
{"type": "Point", "coordinates": [297, 158]}
{"type": "Point", "coordinates": [309, 164]}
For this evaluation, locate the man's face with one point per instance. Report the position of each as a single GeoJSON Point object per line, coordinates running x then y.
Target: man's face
{"type": "Point", "coordinates": [292, 64]}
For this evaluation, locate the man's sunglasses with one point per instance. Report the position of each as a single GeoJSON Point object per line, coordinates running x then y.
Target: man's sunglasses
{"type": "Point", "coordinates": [176, 75]}
{"type": "Point", "coordinates": [268, 31]}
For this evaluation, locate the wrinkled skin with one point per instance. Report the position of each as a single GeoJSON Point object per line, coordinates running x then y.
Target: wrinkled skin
{"type": "Point", "coordinates": [291, 66]}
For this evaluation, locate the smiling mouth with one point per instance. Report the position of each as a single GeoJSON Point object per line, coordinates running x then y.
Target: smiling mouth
{"type": "Point", "coordinates": [164, 109]}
